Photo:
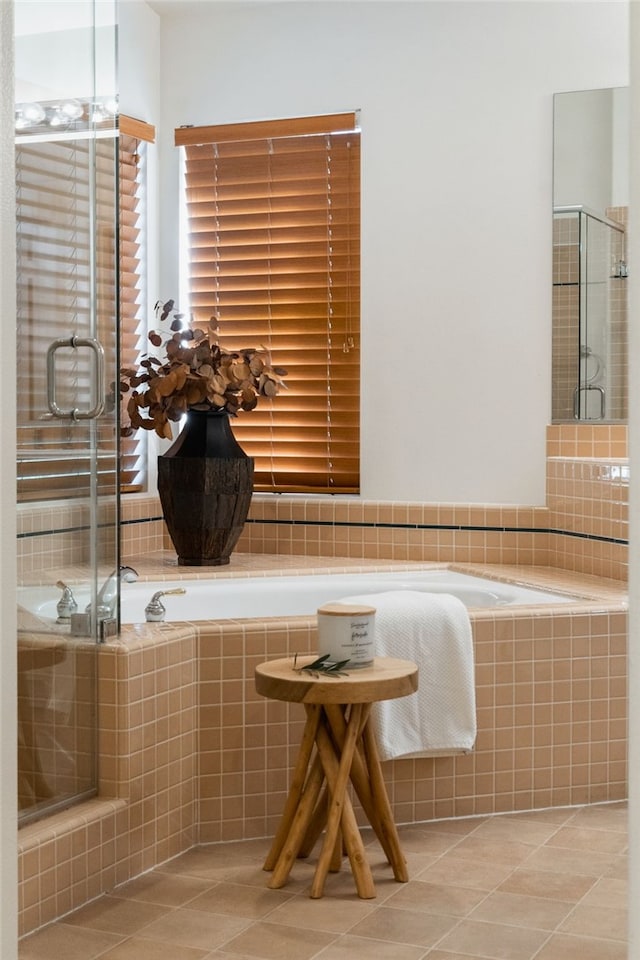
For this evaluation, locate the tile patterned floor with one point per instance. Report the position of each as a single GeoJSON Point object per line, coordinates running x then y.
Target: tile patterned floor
{"type": "Point", "coordinates": [548, 885]}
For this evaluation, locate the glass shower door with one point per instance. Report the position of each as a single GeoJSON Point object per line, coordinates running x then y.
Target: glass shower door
{"type": "Point", "coordinates": [67, 445]}
{"type": "Point", "coordinates": [589, 317]}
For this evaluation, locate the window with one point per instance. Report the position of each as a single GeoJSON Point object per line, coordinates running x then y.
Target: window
{"type": "Point", "coordinates": [273, 212]}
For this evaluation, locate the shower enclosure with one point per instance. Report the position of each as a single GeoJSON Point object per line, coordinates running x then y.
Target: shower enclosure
{"type": "Point", "coordinates": [589, 372]}
{"type": "Point", "coordinates": [67, 362]}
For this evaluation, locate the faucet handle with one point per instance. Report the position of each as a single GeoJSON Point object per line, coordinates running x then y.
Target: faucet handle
{"type": "Point", "coordinates": [155, 610]}
{"type": "Point", "coordinates": [127, 573]}
{"type": "Point", "coordinates": [66, 605]}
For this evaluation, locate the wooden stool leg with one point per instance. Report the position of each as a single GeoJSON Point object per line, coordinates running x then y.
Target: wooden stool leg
{"type": "Point", "coordinates": [316, 825]}
{"type": "Point", "coordinates": [336, 857]}
{"type": "Point", "coordinates": [340, 809]}
{"type": "Point", "coordinates": [299, 826]}
{"type": "Point", "coordinates": [297, 785]}
{"type": "Point", "coordinates": [359, 775]}
{"type": "Point", "coordinates": [383, 807]}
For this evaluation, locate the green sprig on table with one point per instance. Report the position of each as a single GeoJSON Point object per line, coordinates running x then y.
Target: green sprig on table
{"type": "Point", "coordinates": [323, 666]}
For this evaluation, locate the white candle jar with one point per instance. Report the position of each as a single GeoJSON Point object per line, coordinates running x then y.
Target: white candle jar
{"type": "Point", "coordinates": [346, 631]}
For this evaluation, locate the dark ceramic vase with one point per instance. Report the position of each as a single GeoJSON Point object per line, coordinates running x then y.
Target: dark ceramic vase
{"type": "Point", "coordinates": [205, 482]}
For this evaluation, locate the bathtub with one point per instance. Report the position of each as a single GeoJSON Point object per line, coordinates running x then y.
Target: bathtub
{"type": "Point", "coordinates": [290, 596]}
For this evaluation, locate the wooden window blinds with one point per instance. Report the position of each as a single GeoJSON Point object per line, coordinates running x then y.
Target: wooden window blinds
{"type": "Point", "coordinates": [273, 211]}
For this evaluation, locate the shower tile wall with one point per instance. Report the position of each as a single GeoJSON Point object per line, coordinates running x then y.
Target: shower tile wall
{"type": "Point", "coordinates": [566, 314]}
{"type": "Point", "coordinates": [51, 537]}
{"type": "Point", "coordinates": [618, 318]}
{"type": "Point", "coordinates": [566, 305]}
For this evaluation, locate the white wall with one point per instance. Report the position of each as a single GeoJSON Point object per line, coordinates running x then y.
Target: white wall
{"type": "Point", "coordinates": [591, 148]}
{"type": "Point", "coordinates": [139, 81]}
{"type": "Point", "coordinates": [583, 149]}
{"type": "Point", "coordinates": [139, 64]}
{"type": "Point", "coordinates": [64, 49]}
{"type": "Point", "coordinates": [456, 102]}
{"type": "Point", "coordinates": [621, 139]}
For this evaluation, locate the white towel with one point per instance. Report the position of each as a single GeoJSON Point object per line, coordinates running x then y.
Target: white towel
{"type": "Point", "coordinates": [434, 631]}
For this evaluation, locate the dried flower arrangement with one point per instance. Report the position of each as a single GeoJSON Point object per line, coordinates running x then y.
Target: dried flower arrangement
{"type": "Point", "coordinates": [196, 374]}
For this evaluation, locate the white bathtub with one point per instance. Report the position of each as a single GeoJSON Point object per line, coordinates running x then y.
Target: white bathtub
{"type": "Point", "coordinates": [257, 597]}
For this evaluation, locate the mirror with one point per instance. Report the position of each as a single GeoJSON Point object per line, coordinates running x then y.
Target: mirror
{"type": "Point", "coordinates": [590, 211]}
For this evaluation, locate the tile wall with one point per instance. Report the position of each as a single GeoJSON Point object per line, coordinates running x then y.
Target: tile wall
{"type": "Point", "coordinates": [551, 709]}
{"type": "Point", "coordinates": [56, 719]}
{"type": "Point", "coordinates": [190, 753]}
{"type": "Point", "coordinates": [145, 812]}
{"type": "Point", "coordinates": [565, 312]}
{"type": "Point", "coordinates": [583, 526]}
{"type": "Point", "coordinates": [587, 499]}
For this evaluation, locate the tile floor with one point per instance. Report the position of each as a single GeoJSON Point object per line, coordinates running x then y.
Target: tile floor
{"type": "Point", "coordinates": [548, 885]}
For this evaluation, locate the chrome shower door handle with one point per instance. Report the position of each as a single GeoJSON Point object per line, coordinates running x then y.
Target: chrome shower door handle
{"type": "Point", "coordinates": [75, 343]}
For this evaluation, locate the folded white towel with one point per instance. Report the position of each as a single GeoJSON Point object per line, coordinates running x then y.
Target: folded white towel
{"type": "Point", "coordinates": [434, 631]}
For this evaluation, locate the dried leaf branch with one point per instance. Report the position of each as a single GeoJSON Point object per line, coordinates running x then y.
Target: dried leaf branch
{"type": "Point", "coordinates": [323, 666]}
{"type": "Point", "coordinates": [196, 374]}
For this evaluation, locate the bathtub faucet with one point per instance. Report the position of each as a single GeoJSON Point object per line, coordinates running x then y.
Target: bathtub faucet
{"type": "Point", "coordinates": [106, 599]}
{"type": "Point", "coordinates": [155, 610]}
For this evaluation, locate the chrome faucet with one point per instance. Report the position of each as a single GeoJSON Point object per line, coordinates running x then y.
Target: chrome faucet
{"type": "Point", "coordinates": [106, 599]}
{"type": "Point", "coordinates": [155, 610]}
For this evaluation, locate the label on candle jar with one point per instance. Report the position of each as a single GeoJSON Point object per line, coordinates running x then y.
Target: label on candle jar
{"type": "Point", "coordinates": [346, 631]}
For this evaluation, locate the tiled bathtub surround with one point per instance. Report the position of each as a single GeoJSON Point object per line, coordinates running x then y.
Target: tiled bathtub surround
{"type": "Point", "coordinates": [551, 707]}
{"type": "Point", "coordinates": [189, 753]}
{"type": "Point", "coordinates": [582, 526]}
{"type": "Point", "coordinates": [587, 498]}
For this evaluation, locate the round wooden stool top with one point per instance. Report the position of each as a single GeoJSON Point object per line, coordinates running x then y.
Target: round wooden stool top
{"type": "Point", "coordinates": [387, 679]}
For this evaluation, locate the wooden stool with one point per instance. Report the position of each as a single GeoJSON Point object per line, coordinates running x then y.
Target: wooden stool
{"type": "Point", "coordinates": [338, 710]}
